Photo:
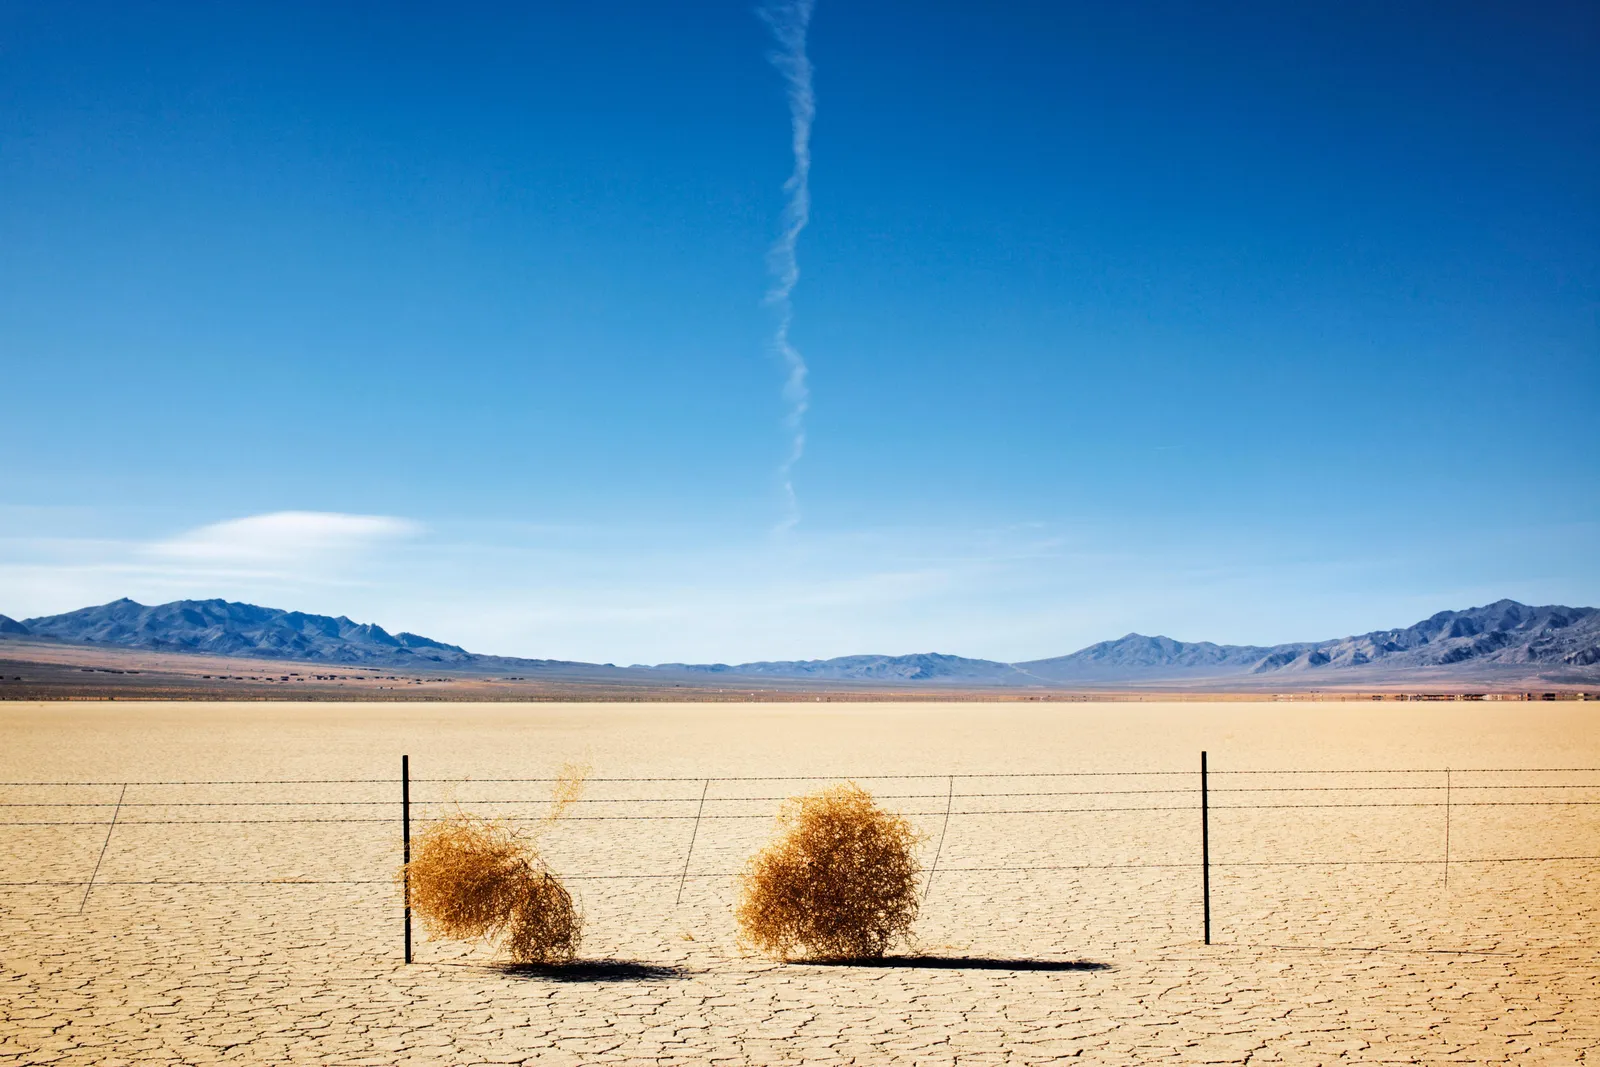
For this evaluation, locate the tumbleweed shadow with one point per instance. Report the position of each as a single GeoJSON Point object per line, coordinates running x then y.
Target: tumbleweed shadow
{"type": "Point", "coordinates": [968, 963]}
{"type": "Point", "coordinates": [592, 971]}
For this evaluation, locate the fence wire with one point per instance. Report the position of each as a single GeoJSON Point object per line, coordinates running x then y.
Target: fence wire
{"type": "Point", "coordinates": [702, 807]}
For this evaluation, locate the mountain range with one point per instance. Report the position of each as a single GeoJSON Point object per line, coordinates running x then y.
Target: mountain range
{"type": "Point", "coordinates": [1497, 640]}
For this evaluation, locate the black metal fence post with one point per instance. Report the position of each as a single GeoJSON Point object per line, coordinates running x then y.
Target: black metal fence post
{"type": "Point", "coordinates": [1205, 846]}
{"type": "Point", "coordinates": [405, 839]}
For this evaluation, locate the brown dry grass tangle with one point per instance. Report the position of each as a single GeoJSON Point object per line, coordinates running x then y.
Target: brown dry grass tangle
{"type": "Point", "coordinates": [838, 881]}
{"type": "Point", "coordinates": [473, 878]}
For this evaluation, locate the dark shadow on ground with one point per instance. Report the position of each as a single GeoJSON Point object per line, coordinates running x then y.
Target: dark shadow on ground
{"type": "Point", "coordinates": [592, 971]}
{"type": "Point", "coordinates": [1375, 948]}
{"type": "Point", "coordinates": [967, 963]}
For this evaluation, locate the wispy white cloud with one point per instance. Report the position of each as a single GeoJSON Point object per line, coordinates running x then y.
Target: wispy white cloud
{"type": "Point", "coordinates": [282, 538]}
{"type": "Point", "coordinates": [301, 558]}
{"type": "Point", "coordinates": [789, 22]}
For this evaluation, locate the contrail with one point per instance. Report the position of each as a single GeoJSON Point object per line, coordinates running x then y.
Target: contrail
{"type": "Point", "coordinates": [789, 21]}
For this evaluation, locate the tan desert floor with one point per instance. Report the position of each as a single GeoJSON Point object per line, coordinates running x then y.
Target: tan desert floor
{"type": "Point", "coordinates": [1099, 958]}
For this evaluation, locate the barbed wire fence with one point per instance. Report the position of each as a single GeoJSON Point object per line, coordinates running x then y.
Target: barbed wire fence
{"type": "Point", "coordinates": [1051, 793]}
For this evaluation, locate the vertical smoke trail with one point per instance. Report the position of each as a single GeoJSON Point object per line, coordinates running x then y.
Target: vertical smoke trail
{"type": "Point", "coordinates": [789, 21]}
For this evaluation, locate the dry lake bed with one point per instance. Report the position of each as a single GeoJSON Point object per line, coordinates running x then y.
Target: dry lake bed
{"type": "Point", "coordinates": [254, 919]}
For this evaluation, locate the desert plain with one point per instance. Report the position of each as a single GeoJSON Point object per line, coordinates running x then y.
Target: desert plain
{"type": "Point", "coordinates": [255, 919]}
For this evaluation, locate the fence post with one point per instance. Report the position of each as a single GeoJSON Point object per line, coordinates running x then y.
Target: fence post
{"type": "Point", "coordinates": [683, 879]}
{"type": "Point", "coordinates": [405, 841]}
{"type": "Point", "coordinates": [1447, 827]}
{"type": "Point", "coordinates": [1205, 846]}
{"type": "Point", "coordinates": [89, 885]}
{"type": "Point", "coordinates": [949, 799]}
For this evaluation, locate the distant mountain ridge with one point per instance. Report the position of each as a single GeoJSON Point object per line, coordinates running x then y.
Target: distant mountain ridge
{"type": "Point", "coordinates": [233, 629]}
{"type": "Point", "coordinates": [1499, 637]}
{"type": "Point", "coordinates": [918, 667]}
{"type": "Point", "coordinates": [1504, 633]}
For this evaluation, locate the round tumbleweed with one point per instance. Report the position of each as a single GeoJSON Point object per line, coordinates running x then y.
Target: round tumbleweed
{"type": "Point", "coordinates": [838, 881]}
{"type": "Point", "coordinates": [473, 878]}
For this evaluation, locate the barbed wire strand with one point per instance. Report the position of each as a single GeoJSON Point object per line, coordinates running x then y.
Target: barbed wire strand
{"type": "Point", "coordinates": [755, 799]}
{"type": "Point", "coordinates": [766, 815]}
{"type": "Point", "coordinates": [671, 876]}
{"type": "Point", "coordinates": [821, 777]}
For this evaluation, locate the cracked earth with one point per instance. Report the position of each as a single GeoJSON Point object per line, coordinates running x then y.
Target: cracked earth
{"type": "Point", "coordinates": [1049, 932]}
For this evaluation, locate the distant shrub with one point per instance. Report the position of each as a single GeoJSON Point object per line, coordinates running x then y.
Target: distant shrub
{"type": "Point", "coordinates": [838, 881]}
{"type": "Point", "coordinates": [473, 878]}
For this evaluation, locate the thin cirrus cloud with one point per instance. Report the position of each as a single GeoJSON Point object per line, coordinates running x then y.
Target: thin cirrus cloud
{"type": "Point", "coordinates": [298, 558]}
{"type": "Point", "coordinates": [282, 538]}
{"type": "Point", "coordinates": [789, 22]}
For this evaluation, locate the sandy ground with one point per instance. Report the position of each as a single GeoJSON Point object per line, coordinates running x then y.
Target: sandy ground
{"type": "Point", "coordinates": [1049, 931]}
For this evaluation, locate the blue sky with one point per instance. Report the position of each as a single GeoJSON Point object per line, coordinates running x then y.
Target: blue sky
{"type": "Point", "coordinates": [1234, 322]}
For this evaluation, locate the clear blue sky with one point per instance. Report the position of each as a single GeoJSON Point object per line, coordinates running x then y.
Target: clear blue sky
{"type": "Point", "coordinates": [1249, 322]}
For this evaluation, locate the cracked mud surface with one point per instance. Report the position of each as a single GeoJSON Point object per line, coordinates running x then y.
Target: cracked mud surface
{"type": "Point", "coordinates": [1094, 954]}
